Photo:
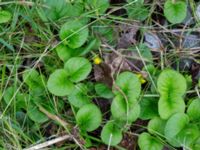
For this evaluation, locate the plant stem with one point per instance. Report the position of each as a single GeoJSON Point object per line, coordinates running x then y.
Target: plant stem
{"type": "Point", "coordinates": [173, 1]}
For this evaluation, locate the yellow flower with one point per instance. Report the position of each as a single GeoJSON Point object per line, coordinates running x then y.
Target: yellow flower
{"type": "Point", "coordinates": [142, 80]}
{"type": "Point", "coordinates": [97, 60]}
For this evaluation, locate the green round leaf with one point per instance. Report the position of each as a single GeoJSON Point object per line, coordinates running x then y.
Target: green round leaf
{"type": "Point", "coordinates": [111, 134]}
{"type": "Point", "coordinates": [175, 124]}
{"type": "Point", "coordinates": [170, 81]}
{"type": "Point", "coordinates": [193, 110]}
{"type": "Point", "coordinates": [176, 11]}
{"type": "Point", "coordinates": [156, 126]}
{"type": "Point", "coordinates": [64, 52]}
{"type": "Point", "coordinates": [78, 68]}
{"type": "Point", "coordinates": [59, 84]}
{"type": "Point", "coordinates": [123, 111]}
{"type": "Point", "coordinates": [148, 142]}
{"type": "Point", "coordinates": [103, 91]}
{"type": "Point", "coordinates": [171, 86]}
{"type": "Point", "coordinates": [149, 108]}
{"type": "Point", "coordinates": [89, 117]}
{"type": "Point", "coordinates": [5, 16]}
{"type": "Point", "coordinates": [79, 97]}
{"type": "Point", "coordinates": [129, 84]}
{"type": "Point", "coordinates": [74, 33]}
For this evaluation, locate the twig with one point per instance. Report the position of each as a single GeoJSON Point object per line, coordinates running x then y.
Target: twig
{"type": "Point", "coordinates": [49, 143]}
{"type": "Point", "coordinates": [54, 117]}
{"type": "Point", "coordinates": [68, 127]}
{"type": "Point", "coordinates": [110, 139]}
{"type": "Point", "coordinates": [197, 90]}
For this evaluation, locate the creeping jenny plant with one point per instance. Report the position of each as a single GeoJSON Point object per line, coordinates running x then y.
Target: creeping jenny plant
{"type": "Point", "coordinates": [61, 82]}
{"type": "Point", "coordinates": [168, 120]}
{"type": "Point", "coordinates": [180, 129]}
{"type": "Point", "coordinates": [100, 104]}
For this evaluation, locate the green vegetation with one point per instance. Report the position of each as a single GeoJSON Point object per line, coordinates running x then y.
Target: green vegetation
{"type": "Point", "coordinates": [108, 74]}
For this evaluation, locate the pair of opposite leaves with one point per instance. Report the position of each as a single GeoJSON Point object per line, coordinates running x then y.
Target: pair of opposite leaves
{"type": "Point", "coordinates": [167, 86]}
{"type": "Point", "coordinates": [171, 86]}
{"type": "Point", "coordinates": [171, 106]}
{"type": "Point", "coordinates": [76, 69]}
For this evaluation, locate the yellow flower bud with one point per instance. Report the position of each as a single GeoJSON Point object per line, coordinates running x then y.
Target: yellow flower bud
{"type": "Point", "coordinates": [97, 60]}
{"type": "Point", "coordinates": [142, 80]}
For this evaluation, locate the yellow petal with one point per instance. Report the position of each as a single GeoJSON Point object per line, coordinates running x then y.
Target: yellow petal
{"type": "Point", "coordinates": [142, 81]}
{"type": "Point", "coordinates": [97, 60]}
